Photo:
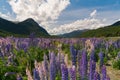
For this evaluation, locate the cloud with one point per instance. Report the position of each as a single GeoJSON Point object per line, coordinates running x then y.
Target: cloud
{"type": "Point", "coordinates": [42, 11]}
{"type": "Point", "coordinates": [93, 14]}
{"type": "Point", "coordinates": [78, 25]}
{"type": "Point", "coordinates": [6, 16]}
{"type": "Point", "coordinates": [86, 23]}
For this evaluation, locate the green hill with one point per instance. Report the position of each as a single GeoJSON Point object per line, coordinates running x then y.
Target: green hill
{"type": "Point", "coordinates": [24, 28]}
{"type": "Point", "coordinates": [107, 31]}
{"type": "Point", "coordinates": [72, 34]}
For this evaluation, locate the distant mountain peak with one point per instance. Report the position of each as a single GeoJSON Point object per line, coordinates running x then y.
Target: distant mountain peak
{"type": "Point", "coordinates": [116, 24]}
{"type": "Point", "coordinates": [30, 20]}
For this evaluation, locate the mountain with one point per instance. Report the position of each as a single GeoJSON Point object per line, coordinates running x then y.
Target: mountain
{"type": "Point", "coordinates": [23, 28]}
{"type": "Point", "coordinates": [116, 24]}
{"type": "Point", "coordinates": [73, 33]}
{"type": "Point", "coordinates": [107, 31]}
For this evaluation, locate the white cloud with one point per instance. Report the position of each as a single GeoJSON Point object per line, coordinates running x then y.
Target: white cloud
{"type": "Point", "coordinates": [118, 19]}
{"type": "Point", "coordinates": [78, 25]}
{"type": "Point", "coordinates": [42, 11]}
{"type": "Point", "coordinates": [6, 16]}
{"type": "Point", "coordinates": [93, 14]}
{"type": "Point", "coordinates": [86, 23]}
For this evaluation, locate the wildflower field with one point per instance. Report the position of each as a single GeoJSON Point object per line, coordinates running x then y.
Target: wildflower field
{"type": "Point", "coordinates": [59, 58]}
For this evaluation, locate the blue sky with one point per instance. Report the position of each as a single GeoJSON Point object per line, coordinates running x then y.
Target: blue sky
{"type": "Point", "coordinates": [66, 16]}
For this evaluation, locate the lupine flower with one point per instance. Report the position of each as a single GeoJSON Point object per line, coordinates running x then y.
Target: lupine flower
{"type": "Point", "coordinates": [92, 56]}
{"type": "Point", "coordinates": [103, 72]}
{"type": "Point", "coordinates": [58, 62]}
{"type": "Point", "coordinates": [72, 72]}
{"type": "Point", "coordinates": [41, 71]}
{"type": "Point", "coordinates": [19, 77]}
{"type": "Point", "coordinates": [101, 56]}
{"type": "Point", "coordinates": [8, 47]}
{"type": "Point", "coordinates": [52, 67]}
{"type": "Point", "coordinates": [107, 78]}
{"type": "Point", "coordinates": [92, 70]}
{"type": "Point", "coordinates": [1, 56]}
{"type": "Point", "coordinates": [84, 64]}
{"type": "Point", "coordinates": [36, 75]}
{"type": "Point", "coordinates": [66, 59]}
{"type": "Point", "coordinates": [79, 62]}
{"type": "Point", "coordinates": [62, 59]}
{"type": "Point", "coordinates": [45, 64]}
{"type": "Point", "coordinates": [64, 71]}
{"type": "Point", "coordinates": [73, 55]}
{"type": "Point", "coordinates": [96, 76]}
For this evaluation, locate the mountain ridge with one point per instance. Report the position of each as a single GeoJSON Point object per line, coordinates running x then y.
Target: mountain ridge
{"type": "Point", "coordinates": [22, 28]}
{"type": "Point", "coordinates": [106, 31]}
{"type": "Point", "coordinates": [28, 26]}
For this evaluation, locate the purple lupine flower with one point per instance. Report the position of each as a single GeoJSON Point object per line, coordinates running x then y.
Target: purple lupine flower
{"type": "Point", "coordinates": [41, 72]}
{"type": "Point", "coordinates": [107, 77]}
{"type": "Point", "coordinates": [73, 55]}
{"type": "Point", "coordinates": [36, 74]}
{"type": "Point", "coordinates": [96, 76]}
{"type": "Point", "coordinates": [92, 56]}
{"type": "Point", "coordinates": [45, 64]}
{"type": "Point", "coordinates": [79, 62]}
{"type": "Point", "coordinates": [52, 67]}
{"type": "Point", "coordinates": [101, 56]}
{"type": "Point", "coordinates": [115, 45]}
{"type": "Point", "coordinates": [103, 72]}
{"type": "Point", "coordinates": [62, 59]}
{"type": "Point", "coordinates": [72, 72]}
{"type": "Point", "coordinates": [19, 77]}
{"type": "Point", "coordinates": [8, 47]}
{"type": "Point", "coordinates": [59, 61]}
{"type": "Point", "coordinates": [1, 56]}
{"type": "Point", "coordinates": [92, 70]}
{"type": "Point", "coordinates": [84, 64]}
{"type": "Point", "coordinates": [64, 71]}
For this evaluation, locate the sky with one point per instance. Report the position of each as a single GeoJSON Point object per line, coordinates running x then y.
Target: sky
{"type": "Point", "coordinates": [63, 16]}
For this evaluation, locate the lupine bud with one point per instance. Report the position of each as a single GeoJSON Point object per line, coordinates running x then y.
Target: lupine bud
{"type": "Point", "coordinates": [64, 71]}
{"type": "Point", "coordinates": [92, 56]}
{"type": "Point", "coordinates": [52, 67]}
{"type": "Point", "coordinates": [92, 69]}
{"type": "Point", "coordinates": [36, 75]}
{"type": "Point", "coordinates": [19, 77]}
{"type": "Point", "coordinates": [62, 59]}
{"type": "Point", "coordinates": [107, 78]}
{"type": "Point", "coordinates": [58, 61]}
{"type": "Point", "coordinates": [41, 72]}
{"type": "Point", "coordinates": [103, 72]}
{"type": "Point", "coordinates": [101, 56]}
{"type": "Point", "coordinates": [72, 73]}
{"type": "Point", "coordinates": [80, 63]}
{"type": "Point", "coordinates": [73, 55]}
{"type": "Point", "coordinates": [84, 64]}
{"type": "Point", "coordinates": [45, 64]}
{"type": "Point", "coordinates": [96, 76]}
